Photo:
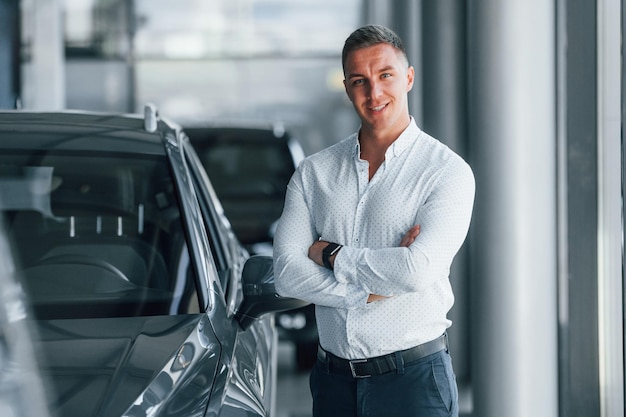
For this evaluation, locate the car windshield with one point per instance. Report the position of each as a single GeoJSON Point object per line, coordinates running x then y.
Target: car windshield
{"type": "Point", "coordinates": [96, 235]}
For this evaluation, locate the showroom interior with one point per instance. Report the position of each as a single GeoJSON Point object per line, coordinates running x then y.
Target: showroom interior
{"type": "Point", "coordinates": [530, 93]}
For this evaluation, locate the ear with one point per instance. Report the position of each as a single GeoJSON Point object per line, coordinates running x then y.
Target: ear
{"type": "Point", "coordinates": [410, 78]}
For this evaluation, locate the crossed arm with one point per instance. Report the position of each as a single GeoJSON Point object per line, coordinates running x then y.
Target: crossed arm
{"type": "Point", "coordinates": [361, 274]}
{"type": "Point", "coordinates": [315, 253]}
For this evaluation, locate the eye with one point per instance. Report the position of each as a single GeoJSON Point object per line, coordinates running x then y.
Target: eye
{"type": "Point", "coordinates": [385, 75]}
{"type": "Point", "coordinates": [358, 81]}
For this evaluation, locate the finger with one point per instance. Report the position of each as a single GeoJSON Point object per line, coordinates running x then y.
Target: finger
{"type": "Point", "coordinates": [410, 236]}
{"type": "Point", "coordinates": [375, 297]}
{"type": "Point", "coordinates": [407, 240]}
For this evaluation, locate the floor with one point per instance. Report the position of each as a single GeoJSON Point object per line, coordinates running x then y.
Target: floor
{"type": "Point", "coordinates": [293, 398]}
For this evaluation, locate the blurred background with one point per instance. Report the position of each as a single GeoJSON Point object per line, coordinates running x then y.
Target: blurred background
{"type": "Point", "coordinates": [529, 93]}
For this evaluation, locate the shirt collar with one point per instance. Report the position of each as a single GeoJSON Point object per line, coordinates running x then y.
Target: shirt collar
{"type": "Point", "coordinates": [406, 139]}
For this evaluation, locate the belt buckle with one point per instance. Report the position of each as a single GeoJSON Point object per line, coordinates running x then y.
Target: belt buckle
{"type": "Point", "coordinates": [353, 370]}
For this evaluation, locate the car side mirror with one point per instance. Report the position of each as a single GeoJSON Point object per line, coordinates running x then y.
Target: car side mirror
{"type": "Point", "coordinates": [259, 293]}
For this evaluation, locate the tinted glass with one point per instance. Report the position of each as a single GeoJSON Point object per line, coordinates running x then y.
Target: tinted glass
{"type": "Point", "coordinates": [247, 168]}
{"type": "Point", "coordinates": [96, 235]}
{"type": "Point", "coordinates": [251, 180]}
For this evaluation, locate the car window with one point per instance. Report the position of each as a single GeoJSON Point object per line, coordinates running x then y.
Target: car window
{"type": "Point", "coordinates": [97, 235]}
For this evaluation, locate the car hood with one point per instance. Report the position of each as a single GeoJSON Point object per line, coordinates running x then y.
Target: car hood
{"type": "Point", "coordinates": [127, 366]}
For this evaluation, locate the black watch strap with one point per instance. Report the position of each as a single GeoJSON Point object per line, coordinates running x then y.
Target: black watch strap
{"type": "Point", "coordinates": [328, 251]}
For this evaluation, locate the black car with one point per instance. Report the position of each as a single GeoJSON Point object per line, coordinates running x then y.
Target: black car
{"type": "Point", "coordinates": [250, 165]}
{"type": "Point", "coordinates": [143, 300]}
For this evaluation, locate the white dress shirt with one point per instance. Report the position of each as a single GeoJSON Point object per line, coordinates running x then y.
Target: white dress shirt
{"type": "Point", "coordinates": [331, 197]}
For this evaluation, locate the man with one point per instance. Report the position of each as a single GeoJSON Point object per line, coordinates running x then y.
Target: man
{"type": "Point", "coordinates": [368, 233]}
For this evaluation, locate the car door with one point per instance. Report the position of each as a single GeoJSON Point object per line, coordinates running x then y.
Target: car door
{"type": "Point", "coordinates": [248, 377]}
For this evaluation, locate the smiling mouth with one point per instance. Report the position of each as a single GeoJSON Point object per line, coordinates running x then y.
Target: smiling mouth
{"type": "Point", "coordinates": [378, 108]}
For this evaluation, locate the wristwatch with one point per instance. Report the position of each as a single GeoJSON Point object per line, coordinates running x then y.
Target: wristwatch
{"type": "Point", "coordinates": [328, 251]}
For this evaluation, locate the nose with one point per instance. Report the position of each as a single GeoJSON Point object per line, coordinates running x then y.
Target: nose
{"type": "Point", "coordinates": [375, 90]}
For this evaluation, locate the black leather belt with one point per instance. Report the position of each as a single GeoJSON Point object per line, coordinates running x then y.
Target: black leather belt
{"type": "Point", "coordinates": [363, 368]}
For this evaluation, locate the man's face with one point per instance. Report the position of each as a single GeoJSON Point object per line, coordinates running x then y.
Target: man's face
{"type": "Point", "coordinates": [377, 80]}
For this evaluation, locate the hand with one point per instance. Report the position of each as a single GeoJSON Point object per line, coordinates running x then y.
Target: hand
{"type": "Point", "coordinates": [375, 297]}
{"type": "Point", "coordinates": [409, 237]}
{"type": "Point", "coordinates": [315, 252]}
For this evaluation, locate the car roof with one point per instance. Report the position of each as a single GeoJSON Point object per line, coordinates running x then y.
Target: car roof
{"type": "Point", "coordinates": [74, 130]}
{"type": "Point", "coordinates": [240, 131]}
{"type": "Point", "coordinates": [260, 124]}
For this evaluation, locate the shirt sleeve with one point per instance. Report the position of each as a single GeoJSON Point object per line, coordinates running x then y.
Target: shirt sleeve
{"type": "Point", "coordinates": [295, 274]}
{"type": "Point", "coordinates": [444, 219]}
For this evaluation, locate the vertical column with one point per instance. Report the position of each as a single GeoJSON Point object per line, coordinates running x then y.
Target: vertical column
{"type": "Point", "coordinates": [444, 51]}
{"type": "Point", "coordinates": [43, 83]}
{"type": "Point", "coordinates": [513, 249]}
{"type": "Point", "coordinates": [579, 292]}
{"type": "Point", "coordinates": [131, 29]}
{"type": "Point", "coordinates": [610, 228]}
{"type": "Point", "coordinates": [406, 21]}
{"type": "Point", "coordinates": [9, 53]}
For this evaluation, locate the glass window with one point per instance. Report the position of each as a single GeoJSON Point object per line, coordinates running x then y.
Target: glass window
{"type": "Point", "coordinates": [204, 60]}
{"type": "Point", "coordinates": [97, 28]}
{"type": "Point", "coordinates": [250, 171]}
{"type": "Point", "coordinates": [227, 28]}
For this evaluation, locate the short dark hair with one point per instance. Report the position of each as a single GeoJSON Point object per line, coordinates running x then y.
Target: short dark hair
{"type": "Point", "coordinates": [371, 35]}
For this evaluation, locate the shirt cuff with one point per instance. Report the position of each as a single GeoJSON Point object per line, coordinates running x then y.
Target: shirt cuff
{"type": "Point", "coordinates": [345, 265]}
{"type": "Point", "coordinates": [356, 297]}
